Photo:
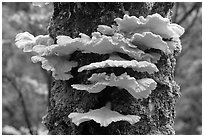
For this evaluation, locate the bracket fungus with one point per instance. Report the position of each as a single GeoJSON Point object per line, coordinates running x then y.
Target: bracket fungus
{"type": "Point", "coordinates": [148, 40]}
{"type": "Point", "coordinates": [106, 30]}
{"type": "Point", "coordinates": [104, 116]}
{"type": "Point", "coordinates": [141, 66]}
{"type": "Point", "coordinates": [152, 23]}
{"type": "Point", "coordinates": [58, 65]}
{"type": "Point", "coordinates": [137, 88]}
{"type": "Point", "coordinates": [27, 41]}
{"type": "Point", "coordinates": [131, 37]}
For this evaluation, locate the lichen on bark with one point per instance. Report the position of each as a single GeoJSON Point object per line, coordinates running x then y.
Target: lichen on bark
{"type": "Point", "coordinates": [157, 111]}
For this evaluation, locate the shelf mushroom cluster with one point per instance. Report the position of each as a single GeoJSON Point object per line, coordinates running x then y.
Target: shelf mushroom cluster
{"type": "Point", "coordinates": [132, 36]}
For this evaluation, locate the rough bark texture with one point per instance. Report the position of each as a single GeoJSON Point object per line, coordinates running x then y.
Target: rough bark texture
{"type": "Point", "coordinates": [157, 111]}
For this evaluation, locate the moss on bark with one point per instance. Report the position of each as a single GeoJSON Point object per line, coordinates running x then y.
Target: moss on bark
{"type": "Point", "coordinates": [157, 111]}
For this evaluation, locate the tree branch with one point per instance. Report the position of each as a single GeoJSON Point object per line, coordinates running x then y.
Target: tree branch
{"type": "Point", "coordinates": [188, 46]}
{"type": "Point", "coordinates": [48, 76]}
{"type": "Point", "coordinates": [176, 12]}
{"type": "Point", "coordinates": [191, 25]}
{"type": "Point", "coordinates": [25, 111]}
{"type": "Point", "coordinates": [197, 5]}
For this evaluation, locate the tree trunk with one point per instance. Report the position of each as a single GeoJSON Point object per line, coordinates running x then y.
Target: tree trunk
{"type": "Point", "coordinates": [157, 112]}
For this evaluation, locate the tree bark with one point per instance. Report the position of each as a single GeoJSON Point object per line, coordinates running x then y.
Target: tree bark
{"type": "Point", "coordinates": [157, 112]}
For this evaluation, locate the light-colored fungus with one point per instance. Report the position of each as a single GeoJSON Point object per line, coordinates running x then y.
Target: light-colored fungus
{"type": "Point", "coordinates": [43, 50]}
{"type": "Point", "coordinates": [99, 44]}
{"type": "Point", "coordinates": [148, 40]}
{"type": "Point", "coordinates": [106, 30]}
{"type": "Point", "coordinates": [58, 65]}
{"type": "Point", "coordinates": [27, 41]}
{"type": "Point", "coordinates": [137, 88]}
{"type": "Point", "coordinates": [104, 116]}
{"type": "Point", "coordinates": [152, 23]}
{"type": "Point", "coordinates": [133, 37]}
{"type": "Point", "coordinates": [141, 66]}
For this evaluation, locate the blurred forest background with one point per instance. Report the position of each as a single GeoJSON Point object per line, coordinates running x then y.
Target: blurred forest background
{"type": "Point", "coordinates": [25, 86]}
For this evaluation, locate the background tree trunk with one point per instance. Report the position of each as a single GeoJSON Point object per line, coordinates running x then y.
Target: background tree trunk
{"type": "Point", "coordinates": [157, 111]}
